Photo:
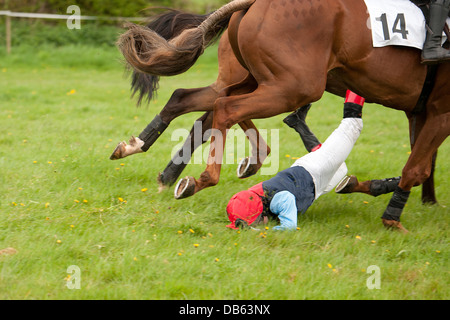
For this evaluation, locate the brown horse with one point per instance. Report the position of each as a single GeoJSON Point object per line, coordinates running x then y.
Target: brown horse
{"type": "Point", "coordinates": [291, 48]}
{"type": "Point", "coordinates": [168, 25]}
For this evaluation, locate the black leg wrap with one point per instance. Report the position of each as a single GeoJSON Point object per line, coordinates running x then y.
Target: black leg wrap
{"type": "Point", "coordinates": [379, 187]}
{"type": "Point", "coordinates": [296, 120]}
{"type": "Point", "coordinates": [396, 205]}
{"type": "Point", "coordinates": [352, 110]}
{"type": "Point", "coordinates": [171, 173]}
{"type": "Point", "coordinates": [182, 158]}
{"type": "Point", "coordinates": [152, 132]}
{"type": "Point", "coordinates": [178, 163]}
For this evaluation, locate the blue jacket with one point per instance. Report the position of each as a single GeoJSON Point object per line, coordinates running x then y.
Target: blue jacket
{"type": "Point", "coordinates": [289, 192]}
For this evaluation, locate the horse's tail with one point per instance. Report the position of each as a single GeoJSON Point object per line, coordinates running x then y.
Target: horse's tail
{"type": "Point", "coordinates": [147, 51]}
{"type": "Point", "coordinates": [168, 25]}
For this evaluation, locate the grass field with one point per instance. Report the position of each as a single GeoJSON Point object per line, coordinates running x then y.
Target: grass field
{"type": "Point", "coordinates": [64, 203]}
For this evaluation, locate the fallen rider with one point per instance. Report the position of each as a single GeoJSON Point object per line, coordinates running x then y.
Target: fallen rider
{"type": "Point", "coordinates": [294, 190]}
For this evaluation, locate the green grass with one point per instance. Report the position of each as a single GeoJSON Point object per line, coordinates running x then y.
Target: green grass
{"type": "Point", "coordinates": [63, 110]}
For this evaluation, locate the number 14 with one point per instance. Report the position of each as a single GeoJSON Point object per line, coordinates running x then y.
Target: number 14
{"type": "Point", "coordinates": [399, 22]}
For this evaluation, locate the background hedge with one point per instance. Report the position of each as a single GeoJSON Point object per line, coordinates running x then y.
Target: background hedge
{"type": "Point", "coordinates": [116, 8]}
{"type": "Point", "coordinates": [36, 32]}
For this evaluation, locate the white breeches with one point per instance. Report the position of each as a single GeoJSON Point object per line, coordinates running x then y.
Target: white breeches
{"type": "Point", "coordinates": [327, 165]}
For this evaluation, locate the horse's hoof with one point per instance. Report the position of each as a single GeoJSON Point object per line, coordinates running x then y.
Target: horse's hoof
{"type": "Point", "coordinates": [118, 152]}
{"type": "Point", "coordinates": [346, 185]}
{"type": "Point", "coordinates": [394, 225]}
{"type": "Point", "coordinates": [246, 169]}
{"type": "Point", "coordinates": [185, 188]}
{"type": "Point", "coordinates": [124, 150]}
{"type": "Point", "coordinates": [161, 185]}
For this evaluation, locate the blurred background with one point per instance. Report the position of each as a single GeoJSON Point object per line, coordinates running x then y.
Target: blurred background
{"type": "Point", "coordinates": [34, 32]}
{"type": "Point", "coordinates": [107, 7]}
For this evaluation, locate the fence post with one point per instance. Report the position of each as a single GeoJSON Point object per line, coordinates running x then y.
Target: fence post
{"type": "Point", "coordinates": [8, 34]}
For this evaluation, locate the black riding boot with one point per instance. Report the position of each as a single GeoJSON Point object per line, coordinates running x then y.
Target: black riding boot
{"type": "Point", "coordinates": [433, 52]}
{"type": "Point", "coordinates": [296, 120]}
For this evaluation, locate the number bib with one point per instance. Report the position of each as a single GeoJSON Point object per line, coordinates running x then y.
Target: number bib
{"type": "Point", "coordinates": [396, 23]}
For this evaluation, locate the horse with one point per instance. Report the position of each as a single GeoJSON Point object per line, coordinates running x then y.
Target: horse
{"type": "Point", "coordinates": [291, 49]}
{"type": "Point", "coordinates": [168, 25]}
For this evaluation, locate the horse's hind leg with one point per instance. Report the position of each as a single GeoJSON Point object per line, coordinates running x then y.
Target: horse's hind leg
{"type": "Point", "coordinates": [182, 101]}
{"type": "Point", "coordinates": [180, 160]}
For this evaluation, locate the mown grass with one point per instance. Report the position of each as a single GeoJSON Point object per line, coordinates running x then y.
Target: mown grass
{"type": "Point", "coordinates": [63, 202]}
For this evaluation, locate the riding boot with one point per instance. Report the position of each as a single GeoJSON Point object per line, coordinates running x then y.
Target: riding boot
{"type": "Point", "coordinates": [433, 52]}
{"type": "Point", "coordinates": [296, 120]}
{"type": "Point", "coordinates": [374, 188]}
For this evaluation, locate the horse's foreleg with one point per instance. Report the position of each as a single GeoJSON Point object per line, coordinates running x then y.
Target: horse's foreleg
{"type": "Point", "coordinates": [260, 150]}
{"type": "Point", "coordinates": [182, 101]}
{"type": "Point", "coordinates": [180, 160]}
{"type": "Point", "coordinates": [418, 166]}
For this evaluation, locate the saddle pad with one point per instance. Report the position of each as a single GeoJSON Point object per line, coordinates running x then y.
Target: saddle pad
{"type": "Point", "coordinates": [398, 23]}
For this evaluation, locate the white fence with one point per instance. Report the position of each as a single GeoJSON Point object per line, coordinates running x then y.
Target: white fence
{"type": "Point", "coordinates": [66, 17]}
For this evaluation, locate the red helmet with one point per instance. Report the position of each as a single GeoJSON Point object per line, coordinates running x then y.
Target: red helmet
{"type": "Point", "coordinates": [245, 205]}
